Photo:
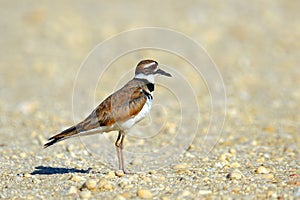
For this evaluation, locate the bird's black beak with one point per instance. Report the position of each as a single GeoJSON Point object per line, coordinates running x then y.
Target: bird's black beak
{"type": "Point", "coordinates": [162, 72]}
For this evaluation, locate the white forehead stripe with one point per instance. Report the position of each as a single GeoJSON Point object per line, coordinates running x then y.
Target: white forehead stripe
{"type": "Point", "coordinates": [149, 65]}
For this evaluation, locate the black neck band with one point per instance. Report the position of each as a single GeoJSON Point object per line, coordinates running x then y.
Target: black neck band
{"type": "Point", "coordinates": [149, 85]}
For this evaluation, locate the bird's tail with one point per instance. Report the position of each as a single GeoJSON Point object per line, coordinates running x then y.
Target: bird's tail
{"type": "Point", "coordinates": [61, 136]}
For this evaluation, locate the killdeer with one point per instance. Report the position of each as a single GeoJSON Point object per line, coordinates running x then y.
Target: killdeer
{"type": "Point", "coordinates": [120, 111]}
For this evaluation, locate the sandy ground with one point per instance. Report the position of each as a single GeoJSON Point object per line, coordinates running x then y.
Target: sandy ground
{"type": "Point", "coordinates": [256, 154]}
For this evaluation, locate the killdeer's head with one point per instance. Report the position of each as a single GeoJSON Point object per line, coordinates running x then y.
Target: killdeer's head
{"type": "Point", "coordinates": [148, 69]}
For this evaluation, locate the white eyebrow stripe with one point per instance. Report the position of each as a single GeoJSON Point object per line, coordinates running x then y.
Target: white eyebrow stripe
{"type": "Point", "coordinates": [149, 65]}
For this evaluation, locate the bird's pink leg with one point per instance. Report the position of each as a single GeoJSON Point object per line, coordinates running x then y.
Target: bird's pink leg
{"type": "Point", "coordinates": [119, 147]}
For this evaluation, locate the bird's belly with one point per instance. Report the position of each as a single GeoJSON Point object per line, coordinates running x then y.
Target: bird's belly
{"type": "Point", "coordinates": [141, 115]}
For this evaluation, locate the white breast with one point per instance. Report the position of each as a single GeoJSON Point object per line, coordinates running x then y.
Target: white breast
{"type": "Point", "coordinates": [141, 115]}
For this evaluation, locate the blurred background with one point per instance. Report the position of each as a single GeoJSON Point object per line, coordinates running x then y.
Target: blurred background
{"type": "Point", "coordinates": [256, 46]}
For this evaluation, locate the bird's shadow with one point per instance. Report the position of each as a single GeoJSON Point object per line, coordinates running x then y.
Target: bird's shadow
{"type": "Point", "coordinates": [45, 170]}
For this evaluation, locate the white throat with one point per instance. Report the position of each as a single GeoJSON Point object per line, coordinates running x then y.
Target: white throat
{"type": "Point", "coordinates": [149, 77]}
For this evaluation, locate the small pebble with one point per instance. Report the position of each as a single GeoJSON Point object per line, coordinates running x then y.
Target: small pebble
{"type": "Point", "coordinates": [225, 157]}
{"type": "Point", "coordinates": [161, 178]}
{"type": "Point", "coordinates": [119, 197]}
{"type": "Point", "coordinates": [124, 183]}
{"type": "Point", "coordinates": [220, 164]}
{"type": "Point", "coordinates": [205, 159]}
{"type": "Point", "coordinates": [270, 129]}
{"type": "Point", "coordinates": [72, 190]}
{"type": "Point", "coordinates": [260, 160]}
{"type": "Point", "coordinates": [90, 184]}
{"type": "Point", "coordinates": [146, 179]}
{"type": "Point", "coordinates": [126, 195]}
{"type": "Point", "coordinates": [180, 166]}
{"type": "Point", "coordinates": [266, 176]}
{"type": "Point", "coordinates": [266, 155]}
{"type": "Point", "coordinates": [204, 192]}
{"type": "Point", "coordinates": [22, 155]}
{"type": "Point", "coordinates": [271, 194]}
{"type": "Point", "coordinates": [133, 177]}
{"type": "Point", "coordinates": [232, 151]}
{"type": "Point", "coordinates": [144, 194]}
{"type": "Point", "coordinates": [235, 174]}
{"type": "Point", "coordinates": [235, 165]}
{"type": "Point", "coordinates": [236, 189]}
{"type": "Point", "coordinates": [105, 185]}
{"type": "Point", "coordinates": [152, 172]}
{"type": "Point", "coordinates": [60, 155]}
{"type": "Point", "coordinates": [27, 175]}
{"type": "Point", "coordinates": [77, 178]}
{"type": "Point", "coordinates": [70, 147]}
{"type": "Point", "coordinates": [262, 170]}
{"type": "Point", "coordinates": [189, 155]}
{"type": "Point", "coordinates": [73, 155]}
{"type": "Point", "coordinates": [110, 174]}
{"type": "Point", "coordinates": [185, 193]}
{"type": "Point", "coordinates": [119, 173]}
{"type": "Point", "coordinates": [191, 147]}
{"type": "Point", "coordinates": [85, 194]}
{"type": "Point", "coordinates": [47, 158]}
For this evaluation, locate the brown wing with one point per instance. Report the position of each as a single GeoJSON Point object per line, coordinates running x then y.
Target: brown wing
{"type": "Point", "coordinates": [118, 107]}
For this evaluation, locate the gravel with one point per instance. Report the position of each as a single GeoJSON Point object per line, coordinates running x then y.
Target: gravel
{"type": "Point", "coordinates": [256, 47]}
